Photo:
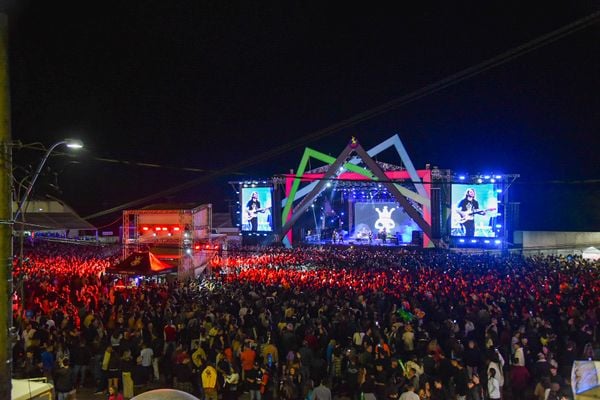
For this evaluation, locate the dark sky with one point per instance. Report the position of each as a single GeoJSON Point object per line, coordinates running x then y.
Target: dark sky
{"type": "Point", "coordinates": [205, 84]}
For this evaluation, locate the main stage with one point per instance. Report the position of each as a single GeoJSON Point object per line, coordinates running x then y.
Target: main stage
{"type": "Point", "coordinates": [357, 199]}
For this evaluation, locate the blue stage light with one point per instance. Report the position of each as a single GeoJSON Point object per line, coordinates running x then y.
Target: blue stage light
{"type": "Point", "coordinates": [462, 177]}
{"type": "Point", "coordinates": [497, 241]}
{"type": "Point", "coordinates": [473, 240]}
{"type": "Point", "coordinates": [461, 240]}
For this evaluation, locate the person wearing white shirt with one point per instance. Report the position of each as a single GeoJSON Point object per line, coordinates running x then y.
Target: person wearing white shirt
{"type": "Point", "coordinates": [493, 385]}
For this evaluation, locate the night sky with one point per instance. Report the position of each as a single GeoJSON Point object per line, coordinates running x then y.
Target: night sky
{"type": "Point", "coordinates": [207, 84]}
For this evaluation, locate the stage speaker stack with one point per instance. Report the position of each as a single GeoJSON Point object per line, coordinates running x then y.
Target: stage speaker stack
{"type": "Point", "coordinates": [436, 213]}
{"type": "Point", "coordinates": [417, 238]}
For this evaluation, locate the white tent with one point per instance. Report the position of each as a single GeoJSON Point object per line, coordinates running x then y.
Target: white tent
{"type": "Point", "coordinates": [591, 253]}
{"type": "Point", "coordinates": [24, 389]}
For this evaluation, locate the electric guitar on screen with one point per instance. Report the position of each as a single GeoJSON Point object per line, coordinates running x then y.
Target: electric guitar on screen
{"type": "Point", "coordinates": [470, 215]}
{"type": "Point", "coordinates": [252, 213]}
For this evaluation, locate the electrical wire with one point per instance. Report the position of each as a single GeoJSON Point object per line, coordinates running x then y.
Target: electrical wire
{"type": "Point", "coordinates": [427, 90]}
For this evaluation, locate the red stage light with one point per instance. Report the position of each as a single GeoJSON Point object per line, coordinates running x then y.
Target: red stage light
{"type": "Point", "coordinates": [164, 228]}
{"type": "Point", "coordinates": [145, 228]}
{"type": "Point", "coordinates": [157, 228]}
{"type": "Point", "coordinates": [176, 229]}
{"type": "Point", "coordinates": [197, 247]}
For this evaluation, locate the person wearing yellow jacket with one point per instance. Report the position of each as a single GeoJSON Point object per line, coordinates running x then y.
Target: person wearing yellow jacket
{"type": "Point", "coordinates": [209, 382]}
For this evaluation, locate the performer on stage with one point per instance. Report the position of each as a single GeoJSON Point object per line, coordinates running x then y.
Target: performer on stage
{"type": "Point", "coordinates": [467, 208]}
{"type": "Point", "coordinates": [252, 210]}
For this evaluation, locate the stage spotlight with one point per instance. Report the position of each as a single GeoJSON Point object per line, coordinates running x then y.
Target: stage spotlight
{"type": "Point", "coordinates": [461, 240]}
{"type": "Point", "coordinates": [498, 176]}
{"type": "Point", "coordinates": [486, 241]}
{"type": "Point", "coordinates": [462, 177]}
{"type": "Point", "coordinates": [328, 184]}
{"type": "Point", "coordinates": [473, 240]}
{"type": "Point", "coordinates": [487, 177]}
{"type": "Point", "coordinates": [479, 180]}
{"type": "Point", "coordinates": [497, 241]}
{"type": "Point", "coordinates": [498, 190]}
{"type": "Point", "coordinates": [493, 180]}
{"type": "Point", "coordinates": [498, 225]}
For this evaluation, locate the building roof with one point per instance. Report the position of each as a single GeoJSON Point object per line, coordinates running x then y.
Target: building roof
{"type": "Point", "coordinates": [53, 221]}
{"type": "Point", "coordinates": [173, 206]}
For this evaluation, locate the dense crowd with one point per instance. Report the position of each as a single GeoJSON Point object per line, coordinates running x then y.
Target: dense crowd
{"type": "Point", "coordinates": [309, 322]}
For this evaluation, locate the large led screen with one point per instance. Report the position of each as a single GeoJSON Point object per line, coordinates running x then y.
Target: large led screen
{"type": "Point", "coordinates": [256, 209]}
{"type": "Point", "coordinates": [375, 217]}
{"type": "Point", "coordinates": [474, 210]}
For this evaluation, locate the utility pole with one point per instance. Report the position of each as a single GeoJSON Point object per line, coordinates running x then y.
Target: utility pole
{"type": "Point", "coordinates": [6, 219]}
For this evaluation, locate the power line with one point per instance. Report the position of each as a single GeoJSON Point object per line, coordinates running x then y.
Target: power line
{"type": "Point", "coordinates": [427, 90]}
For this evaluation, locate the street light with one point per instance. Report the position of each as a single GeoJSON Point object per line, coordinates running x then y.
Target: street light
{"type": "Point", "coordinates": [70, 143]}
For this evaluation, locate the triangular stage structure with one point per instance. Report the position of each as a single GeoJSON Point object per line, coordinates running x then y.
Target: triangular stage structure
{"type": "Point", "coordinates": [347, 161]}
{"type": "Point", "coordinates": [141, 263]}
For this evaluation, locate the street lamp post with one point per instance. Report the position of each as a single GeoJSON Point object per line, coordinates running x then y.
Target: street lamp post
{"type": "Point", "coordinates": [71, 143]}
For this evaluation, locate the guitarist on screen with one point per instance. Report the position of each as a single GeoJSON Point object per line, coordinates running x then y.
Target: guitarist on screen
{"type": "Point", "coordinates": [467, 208]}
{"type": "Point", "coordinates": [252, 209]}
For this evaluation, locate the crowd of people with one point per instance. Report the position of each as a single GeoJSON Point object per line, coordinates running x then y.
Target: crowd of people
{"type": "Point", "coordinates": [312, 323]}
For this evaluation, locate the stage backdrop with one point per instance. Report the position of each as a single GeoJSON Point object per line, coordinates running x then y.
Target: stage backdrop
{"type": "Point", "coordinates": [375, 216]}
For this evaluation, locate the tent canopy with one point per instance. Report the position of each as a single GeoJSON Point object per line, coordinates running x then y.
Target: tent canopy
{"type": "Point", "coordinates": [141, 263]}
{"type": "Point", "coordinates": [591, 253]}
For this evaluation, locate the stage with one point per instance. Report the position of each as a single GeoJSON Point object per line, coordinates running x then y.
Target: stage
{"type": "Point", "coordinates": [390, 242]}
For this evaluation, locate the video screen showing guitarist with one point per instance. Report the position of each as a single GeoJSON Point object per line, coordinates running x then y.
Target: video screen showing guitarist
{"type": "Point", "coordinates": [252, 209]}
{"type": "Point", "coordinates": [467, 208]}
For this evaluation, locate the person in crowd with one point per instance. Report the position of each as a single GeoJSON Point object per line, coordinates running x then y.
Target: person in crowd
{"type": "Point", "coordinates": [494, 390]}
{"type": "Point", "coordinates": [63, 380]}
{"type": "Point", "coordinates": [114, 394]}
{"type": "Point", "coordinates": [209, 382]}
